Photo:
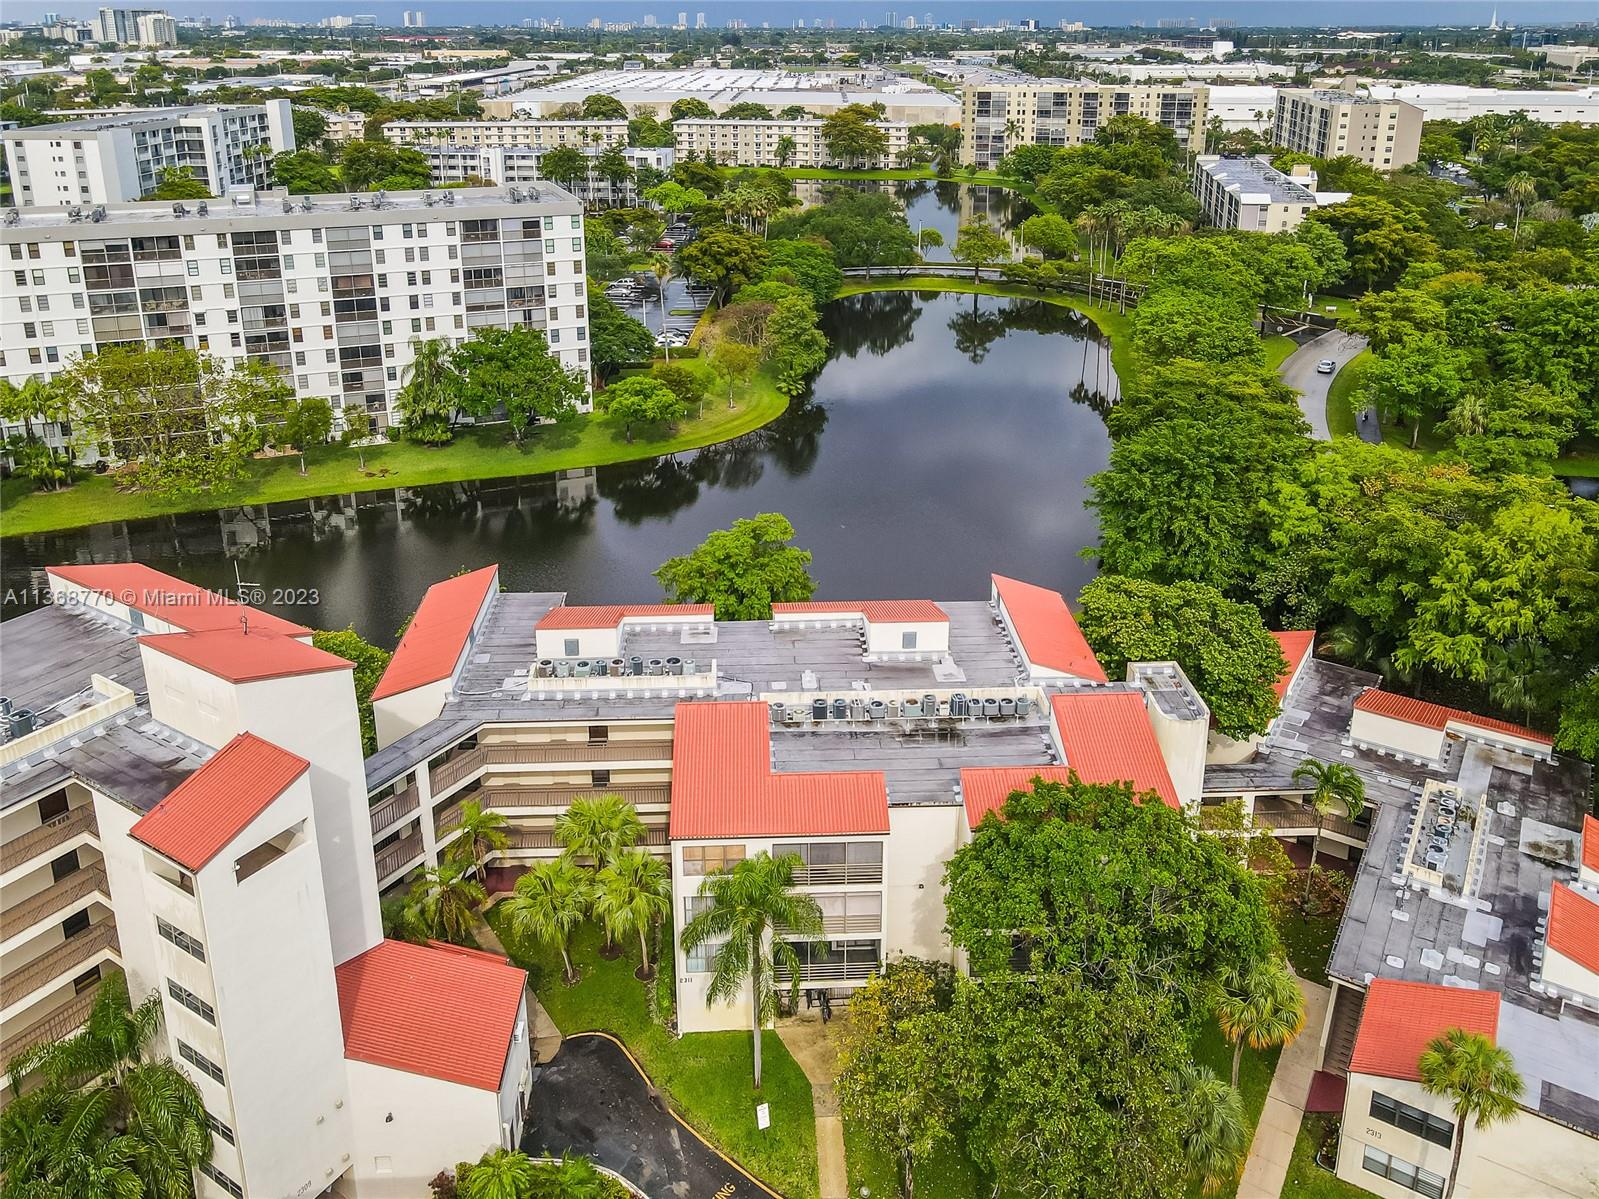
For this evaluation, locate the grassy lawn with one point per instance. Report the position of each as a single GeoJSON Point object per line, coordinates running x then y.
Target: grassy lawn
{"type": "Point", "coordinates": [1308, 940]}
{"type": "Point", "coordinates": [947, 1174]}
{"type": "Point", "coordinates": [705, 1076]}
{"type": "Point", "coordinates": [1278, 347]}
{"type": "Point", "coordinates": [1113, 324]}
{"type": "Point", "coordinates": [486, 453]}
{"type": "Point", "coordinates": [1341, 412]}
{"type": "Point", "coordinates": [1582, 458]}
{"type": "Point", "coordinates": [1307, 1180]}
{"type": "Point", "coordinates": [1254, 1080]}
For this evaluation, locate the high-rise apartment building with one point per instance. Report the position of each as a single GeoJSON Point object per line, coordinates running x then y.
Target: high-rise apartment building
{"type": "Point", "coordinates": [119, 158]}
{"type": "Point", "coordinates": [997, 117]}
{"type": "Point", "coordinates": [1382, 133]}
{"type": "Point", "coordinates": [137, 27]}
{"type": "Point", "coordinates": [336, 291]}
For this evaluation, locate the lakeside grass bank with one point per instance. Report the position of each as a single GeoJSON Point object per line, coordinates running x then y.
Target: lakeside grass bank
{"type": "Point", "coordinates": [476, 453]}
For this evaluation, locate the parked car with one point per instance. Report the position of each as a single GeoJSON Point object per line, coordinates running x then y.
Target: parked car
{"type": "Point", "coordinates": [666, 243]}
{"type": "Point", "coordinates": [1326, 366]}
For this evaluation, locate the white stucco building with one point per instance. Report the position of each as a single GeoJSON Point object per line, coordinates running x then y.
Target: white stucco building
{"type": "Point", "coordinates": [762, 143]}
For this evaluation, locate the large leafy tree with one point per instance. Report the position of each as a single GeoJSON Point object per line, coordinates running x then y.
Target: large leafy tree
{"type": "Point", "coordinates": [862, 228]}
{"type": "Point", "coordinates": [97, 1115]}
{"type": "Point", "coordinates": [305, 172]}
{"type": "Point", "coordinates": [565, 165]}
{"type": "Point", "coordinates": [615, 339]}
{"type": "Point", "coordinates": [642, 400]}
{"type": "Point", "coordinates": [1175, 322]}
{"type": "Point", "coordinates": [804, 265]}
{"type": "Point", "coordinates": [723, 258]}
{"type": "Point", "coordinates": [512, 370]}
{"type": "Point", "coordinates": [979, 244]}
{"type": "Point", "coordinates": [1477, 1077]}
{"type": "Point", "coordinates": [1415, 379]}
{"type": "Point", "coordinates": [1222, 646]}
{"type": "Point", "coordinates": [365, 165]}
{"type": "Point", "coordinates": [851, 136]}
{"type": "Point", "coordinates": [746, 905]}
{"type": "Point", "coordinates": [743, 570]}
{"type": "Point", "coordinates": [795, 346]}
{"type": "Point", "coordinates": [178, 183]}
{"type": "Point", "coordinates": [1380, 237]}
{"type": "Point", "coordinates": [1089, 879]}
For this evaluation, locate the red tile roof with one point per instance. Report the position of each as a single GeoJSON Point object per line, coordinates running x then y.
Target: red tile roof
{"type": "Point", "coordinates": [1574, 926]}
{"type": "Point", "coordinates": [214, 804]}
{"type": "Point", "coordinates": [984, 789]}
{"type": "Point", "coordinates": [242, 657]}
{"type": "Point", "coordinates": [1296, 645]}
{"type": "Point", "coordinates": [1401, 1017]}
{"type": "Point", "coordinates": [438, 633]}
{"type": "Point", "coordinates": [1108, 739]}
{"type": "Point", "coordinates": [1047, 630]}
{"type": "Point", "coordinates": [608, 616]}
{"type": "Point", "coordinates": [723, 784]}
{"type": "Point", "coordinates": [1436, 716]}
{"type": "Point", "coordinates": [876, 611]}
{"type": "Point", "coordinates": [433, 1009]}
{"type": "Point", "coordinates": [1590, 842]}
{"type": "Point", "coordinates": [175, 601]}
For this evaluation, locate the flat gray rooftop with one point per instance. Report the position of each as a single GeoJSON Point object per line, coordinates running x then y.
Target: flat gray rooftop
{"type": "Point", "coordinates": [1253, 178]}
{"type": "Point", "coordinates": [47, 656]}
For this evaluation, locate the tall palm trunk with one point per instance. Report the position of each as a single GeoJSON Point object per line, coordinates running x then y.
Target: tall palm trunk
{"type": "Point", "coordinates": [755, 1003]}
{"type": "Point", "coordinates": [1304, 902]}
{"type": "Point", "coordinates": [1238, 1057]}
{"type": "Point", "coordinates": [1454, 1156]}
{"type": "Point", "coordinates": [643, 950]}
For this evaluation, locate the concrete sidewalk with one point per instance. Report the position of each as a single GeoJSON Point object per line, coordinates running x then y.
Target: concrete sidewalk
{"type": "Point", "coordinates": [1267, 1167]}
{"type": "Point", "coordinates": [811, 1044]}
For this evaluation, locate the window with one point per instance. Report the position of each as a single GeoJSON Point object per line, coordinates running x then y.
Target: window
{"type": "Point", "coordinates": [199, 1060]}
{"type": "Point", "coordinates": [907, 641]}
{"type": "Point", "coordinates": [599, 734]}
{"type": "Point", "coordinates": [66, 864]}
{"type": "Point", "coordinates": [85, 981]}
{"type": "Point", "coordinates": [572, 647]}
{"type": "Point", "coordinates": [700, 959]}
{"type": "Point", "coordinates": [1413, 1120]}
{"type": "Point", "coordinates": [189, 945]}
{"type": "Point", "coordinates": [1423, 1182]}
{"type": "Point", "coordinates": [599, 778]}
{"type": "Point", "coordinates": [703, 859]}
{"type": "Point", "coordinates": [74, 924]}
{"type": "Point", "coordinates": [222, 1180]}
{"type": "Point", "coordinates": [193, 1002]}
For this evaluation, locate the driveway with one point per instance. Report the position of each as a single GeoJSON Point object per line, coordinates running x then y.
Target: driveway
{"type": "Point", "coordinates": [1299, 372]}
{"type": "Point", "coordinates": [590, 1099]}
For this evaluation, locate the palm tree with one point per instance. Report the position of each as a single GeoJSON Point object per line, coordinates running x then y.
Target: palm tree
{"type": "Point", "coordinates": [549, 901]}
{"type": "Point", "coordinates": [103, 1112]}
{"type": "Point", "coordinates": [482, 833]}
{"type": "Point", "coordinates": [1521, 189]}
{"type": "Point", "coordinates": [632, 893]}
{"type": "Point", "coordinates": [1478, 1078]}
{"type": "Point", "coordinates": [446, 900]}
{"type": "Point", "coordinates": [1214, 1132]}
{"type": "Point", "coordinates": [1262, 1005]}
{"type": "Point", "coordinates": [661, 265]}
{"type": "Point", "coordinates": [747, 903]}
{"type": "Point", "coordinates": [499, 1174]}
{"type": "Point", "coordinates": [785, 150]}
{"type": "Point", "coordinates": [1337, 787]}
{"type": "Point", "coordinates": [598, 827]}
{"type": "Point", "coordinates": [571, 1178]}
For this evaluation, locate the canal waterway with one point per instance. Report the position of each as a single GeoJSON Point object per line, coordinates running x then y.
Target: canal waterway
{"type": "Point", "coordinates": [948, 436]}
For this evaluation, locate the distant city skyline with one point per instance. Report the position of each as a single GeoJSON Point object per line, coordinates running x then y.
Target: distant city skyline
{"type": "Point", "coordinates": [846, 14]}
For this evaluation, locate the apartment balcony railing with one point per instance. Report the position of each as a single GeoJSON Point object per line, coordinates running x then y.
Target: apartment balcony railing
{"type": "Point", "coordinates": [57, 898]}
{"type": "Point", "coordinates": [833, 875]}
{"type": "Point", "coordinates": [65, 960]}
{"type": "Point", "coordinates": [398, 856]}
{"type": "Point", "coordinates": [396, 807]}
{"type": "Point", "coordinates": [815, 972]}
{"type": "Point", "coordinates": [61, 1023]}
{"type": "Point", "coordinates": [542, 838]}
{"type": "Point", "coordinates": [40, 841]}
{"type": "Point", "coordinates": [447, 774]}
{"type": "Point", "coordinates": [504, 798]}
{"type": "Point", "coordinates": [1305, 821]}
{"type": "Point", "coordinates": [871, 925]}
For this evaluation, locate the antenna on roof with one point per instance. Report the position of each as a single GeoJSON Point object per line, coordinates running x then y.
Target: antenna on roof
{"type": "Point", "coordinates": [244, 622]}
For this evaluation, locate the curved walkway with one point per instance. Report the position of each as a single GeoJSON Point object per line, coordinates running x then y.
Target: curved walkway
{"type": "Point", "coordinates": [592, 1099]}
{"type": "Point", "coordinates": [1299, 372]}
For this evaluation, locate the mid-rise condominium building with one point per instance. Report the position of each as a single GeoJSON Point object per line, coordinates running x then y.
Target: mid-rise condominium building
{"type": "Point", "coordinates": [167, 762]}
{"type": "Point", "coordinates": [998, 116]}
{"type": "Point", "coordinates": [1250, 193]}
{"type": "Point", "coordinates": [182, 799]}
{"type": "Point", "coordinates": [778, 143]}
{"type": "Point", "coordinates": [120, 157]}
{"type": "Point", "coordinates": [521, 165]}
{"type": "Point", "coordinates": [514, 133]}
{"type": "Point", "coordinates": [1325, 123]}
{"type": "Point", "coordinates": [334, 290]}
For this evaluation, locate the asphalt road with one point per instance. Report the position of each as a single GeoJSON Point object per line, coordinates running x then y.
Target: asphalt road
{"type": "Point", "coordinates": [1299, 372]}
{"type": "Point", "coordinates": [588, 1099]}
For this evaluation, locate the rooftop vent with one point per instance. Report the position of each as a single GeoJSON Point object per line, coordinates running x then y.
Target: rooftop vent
{"type": "Point", "coordinates": [12, 216]}
{"type": "Point", "coordinates": [98, 214]}
{"type": "Point", "coordinates": [202, 208]}
{"type": "Point", "coordinates": [180, 210]}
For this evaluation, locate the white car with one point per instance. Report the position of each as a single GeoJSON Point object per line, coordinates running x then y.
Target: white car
{"type": "Point", "coordinates": [1326, 366]}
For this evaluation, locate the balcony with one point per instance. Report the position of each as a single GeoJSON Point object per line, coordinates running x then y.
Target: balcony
{"type": "Point", "coordinates": [536, 753]}
{"type": "Point", "coordinates": [542, 838]}
{"type": "Point", "coordinates": [394, 808]}
{"type": "Point", "coordinates": [48, 836]}
{"type": "Point", "coordinates": [397, 857]}
{"type": "Point", "coordinates": [70, 890]}
{"type": "Point", "coordinates": [66, 960]}
{"type": "Point", "coordinates": [508, 798]}
{"type": "Point", "coordinates": [58, 1025]}
{"type": "Point", "coordinates": [834, 874]}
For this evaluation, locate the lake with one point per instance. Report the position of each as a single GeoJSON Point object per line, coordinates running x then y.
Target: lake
{"type": "Point", "coordinates": [940, 204]}
{"type": "Point", "coordinates": [948, 436]}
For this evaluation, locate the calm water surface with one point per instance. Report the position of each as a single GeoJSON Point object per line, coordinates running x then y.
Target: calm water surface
{"type": "Point", "coordinates": [948, 436]}
{"type": "Point", "coordinates": [938, 204]}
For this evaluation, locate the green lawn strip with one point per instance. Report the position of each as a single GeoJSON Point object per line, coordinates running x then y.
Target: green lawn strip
{"type": "Point", "coordinates": [481, 453]}
{"type": "Point", "coordinates": [946, 1174]}
{"type": "Point", "coordinates": [1307, 1180]}
{"type": "Point", "coordinates": [1340, 397]}
{"type": "Point", "coordinates": [1308, 940]}
{"type": "Point", "coordinates": [1582, 458]}
{"type": "Point", "coordinates": [1254, 1080]}
{"type": "Point", "coordinates": [1278, 348]}
{"type": "Point", "coordinates": [706, 1077]}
